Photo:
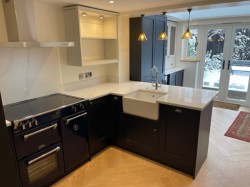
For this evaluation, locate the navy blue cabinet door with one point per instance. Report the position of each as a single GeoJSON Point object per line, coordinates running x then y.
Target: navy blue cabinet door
{"type": "Point", "coordinates": [8, 164]}
{"type": "Point", "coordinates": [98, 118]}
{"type": "Point", "coordinates": [144, 55]}
{"type": "Point", "coordinates": [159, 45]}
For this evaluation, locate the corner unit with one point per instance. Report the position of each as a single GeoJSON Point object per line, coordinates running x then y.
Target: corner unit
{"type": "Point", "coordinates": [94, 32]}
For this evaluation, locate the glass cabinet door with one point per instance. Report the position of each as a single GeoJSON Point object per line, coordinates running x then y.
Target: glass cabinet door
{"type": "Point", "coordinates": [170, 48]}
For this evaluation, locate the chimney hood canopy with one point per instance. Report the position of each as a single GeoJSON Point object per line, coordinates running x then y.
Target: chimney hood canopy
{"type": "Point", "coordinates": [20, 25]}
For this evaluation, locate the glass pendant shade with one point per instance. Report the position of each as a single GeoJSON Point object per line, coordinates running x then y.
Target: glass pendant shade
{"type": "Point", "coordinates": [163, 36]}
{"type": "Point", "coordinates": [187, 34]}
{"type": "Point", "coordinates": [142, 37]}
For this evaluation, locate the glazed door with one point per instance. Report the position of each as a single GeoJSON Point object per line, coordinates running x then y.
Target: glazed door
{"type": "Point", "coordinates": [214, 57]}
{"type": "Point", "coordinates": [238, 66]}
{"type": "Point", "coordinates": [226, 62]}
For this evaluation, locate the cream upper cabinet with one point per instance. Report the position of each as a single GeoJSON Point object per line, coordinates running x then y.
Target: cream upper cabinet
{"type": "Point", "coordinates": [170, 53]}
{"type": "Point", "coordinates": [94, 33]}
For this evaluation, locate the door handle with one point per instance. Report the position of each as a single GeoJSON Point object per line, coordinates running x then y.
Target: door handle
{"type": "Point", "coordinates": [228, 65]}
{"type": "Point", "coordinates": [26, 136]}
{"type": "Point", "coordinates": [44, 155]}
{"type": "Point", "coordinates": [73, 118]}
{"type": "Point", "coordinates": [223, 64]}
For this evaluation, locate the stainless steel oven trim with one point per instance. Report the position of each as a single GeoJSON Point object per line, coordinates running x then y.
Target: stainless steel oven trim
{"type": "Point", "coordinates": [73, 118]}
{"type": "Point", "coordinates": [26, 136]}
{"type": "Point", "coordinates": [44, 155]}
{"type": "Point", "coordinates": [16, 122]}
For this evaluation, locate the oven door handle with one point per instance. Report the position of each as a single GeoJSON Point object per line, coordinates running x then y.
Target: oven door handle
{"type": "Point", "coordinates": [26, 136]}
{"type": "Point", "coordinates": [73, 118]}
{"type": "Point", "coordinates": [44, 155]}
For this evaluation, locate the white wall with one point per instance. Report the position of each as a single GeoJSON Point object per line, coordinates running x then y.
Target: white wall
{"type": "Point", "coordinates": [28, 73]}
{"type": "Point", "coordinates": [192, 69]}
{"type": "Point", "coordinates": [190, 72]}
{"type": "Point", "coordinates": [32, 72]}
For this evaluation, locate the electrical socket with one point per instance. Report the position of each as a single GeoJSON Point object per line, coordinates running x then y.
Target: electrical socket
{"type": "Point", "coordinates": [88, 74]}
{"type": "Point", "coordinates": [80, 76]}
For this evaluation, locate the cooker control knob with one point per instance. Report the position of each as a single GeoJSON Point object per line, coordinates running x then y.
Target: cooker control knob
{"type": "Point", "coordinates": [73, 108]}
{"type": "Point", "coordinates": [21, 124]}
{"type": "Point", "coordinates": [34, 122]}
{"type": "Point", "coordinates": [81, 105]}
{"type": "Point", "coordinates": [28, 123]}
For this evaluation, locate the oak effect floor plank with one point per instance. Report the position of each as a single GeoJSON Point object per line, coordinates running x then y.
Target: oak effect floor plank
{"type": "Point", "coordinates": [227, 165]}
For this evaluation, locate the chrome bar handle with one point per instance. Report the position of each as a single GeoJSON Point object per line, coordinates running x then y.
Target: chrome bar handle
{"type": "Point", "coordinates": [44, 155]}
{"type": "Point", "coordinates": [26, 136]}
{"type": "Point", "coordinates": [73, 118]}
{"type": "Point", "coordinates": [223, 64]}
{"type": "Point", "coordinates": [229, 64]}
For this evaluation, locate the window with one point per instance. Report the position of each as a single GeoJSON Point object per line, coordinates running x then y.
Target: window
{"type": "Point", "coordinates": [190, 46]}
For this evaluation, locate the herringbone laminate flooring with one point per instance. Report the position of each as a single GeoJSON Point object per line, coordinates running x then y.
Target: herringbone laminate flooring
{"type": "Point", "coordinates": [227, 165]}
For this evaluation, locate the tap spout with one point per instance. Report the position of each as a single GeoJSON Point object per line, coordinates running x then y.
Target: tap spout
{"type": "Point", "coordinates": [155, 77]}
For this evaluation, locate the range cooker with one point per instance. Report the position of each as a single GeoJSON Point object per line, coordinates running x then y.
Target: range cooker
{"type": "Point", "coordinates": [50, 137]}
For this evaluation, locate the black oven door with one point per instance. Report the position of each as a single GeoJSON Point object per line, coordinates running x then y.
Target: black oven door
{"type": "Point", "coordinates": [42, 168]}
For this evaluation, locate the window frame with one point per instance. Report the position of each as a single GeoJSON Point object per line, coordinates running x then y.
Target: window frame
{"type": "Point", "coordinates": [185, 57]}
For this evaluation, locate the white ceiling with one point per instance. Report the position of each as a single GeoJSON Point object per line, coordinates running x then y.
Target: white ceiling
{"type": "Point", "coordinates": [123, 5]}
{"type": "Point", "coordinates": [202, 9]}
{"type": "Point", "coordinates": [221, 12]}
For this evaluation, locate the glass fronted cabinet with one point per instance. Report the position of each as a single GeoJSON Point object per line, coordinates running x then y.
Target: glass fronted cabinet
{"type": "Point", "coordinates": [170, 48]}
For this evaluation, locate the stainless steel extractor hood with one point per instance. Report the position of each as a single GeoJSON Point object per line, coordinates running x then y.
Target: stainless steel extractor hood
{"type": "Point", "coordinates": [20, 25]}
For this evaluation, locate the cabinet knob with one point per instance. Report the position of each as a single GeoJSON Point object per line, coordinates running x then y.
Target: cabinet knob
{"type": "Point", "coordinates": [155, 130]}
{"type": "Point", "coordinates": [178, 110]}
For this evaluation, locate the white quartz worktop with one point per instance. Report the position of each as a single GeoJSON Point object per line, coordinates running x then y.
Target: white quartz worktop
{"type": "Point", "coordinates": [176, 96]}
{"type": "Point", "coordinates": [173, 70]}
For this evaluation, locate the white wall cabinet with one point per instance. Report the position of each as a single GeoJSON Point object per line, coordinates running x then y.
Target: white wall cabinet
{"type": "Point", "coordinates": [170, 54]}
{"type": "Point", "coordinates": [94, 33]}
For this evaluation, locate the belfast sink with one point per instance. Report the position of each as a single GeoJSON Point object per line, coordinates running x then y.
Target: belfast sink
{"type": "Point", "coordinates": [142, 103]}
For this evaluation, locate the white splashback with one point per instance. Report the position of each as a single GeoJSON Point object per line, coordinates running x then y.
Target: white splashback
{"type": "Point", "coordinates": [28, 73]}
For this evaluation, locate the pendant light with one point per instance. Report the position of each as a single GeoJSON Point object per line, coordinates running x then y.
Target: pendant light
{"type": "Point", "coordinates": [142, 36]}
{"type": "Point", "coordinates": [187, 34]}
{"type": "Point", "coordinates": [163, 35]}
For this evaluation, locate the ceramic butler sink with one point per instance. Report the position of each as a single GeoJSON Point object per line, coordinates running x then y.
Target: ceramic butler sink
{"type": "Point", "coordinates": [142, 103]}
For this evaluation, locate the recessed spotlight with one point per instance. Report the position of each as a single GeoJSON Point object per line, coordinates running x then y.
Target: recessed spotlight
{"type": "Point", "coordinates": [84, 14]}
{"type": "Point", "coordinates": [111, 2]}
{"type": "Point", "coordinates": [101, 17]}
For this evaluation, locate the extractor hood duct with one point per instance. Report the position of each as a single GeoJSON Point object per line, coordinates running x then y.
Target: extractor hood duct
{"type": "Point", "coordinates": [20, 25]}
